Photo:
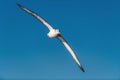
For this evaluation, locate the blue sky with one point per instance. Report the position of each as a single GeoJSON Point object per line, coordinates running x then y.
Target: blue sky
{"type": "Point", "coordinates": [92, 27]}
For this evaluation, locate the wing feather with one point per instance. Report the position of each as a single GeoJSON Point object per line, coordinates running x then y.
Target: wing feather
{"type": "Point", "coordinates": [70, 51]}
{"type": "Point", "coordinates": [36, 16]}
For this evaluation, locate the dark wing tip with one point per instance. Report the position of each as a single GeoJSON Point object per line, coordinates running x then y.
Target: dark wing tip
{"type": "Point", "coordinates": [81, 68]}
{"type": "Point", "coordinates": [19, 5]}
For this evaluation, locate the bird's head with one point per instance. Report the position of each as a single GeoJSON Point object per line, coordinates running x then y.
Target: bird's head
{"type": "Point", "coordinates": [53, 33]}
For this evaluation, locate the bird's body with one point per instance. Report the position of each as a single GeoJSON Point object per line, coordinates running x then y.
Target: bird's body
{"type": "Point", "coordinates": [54, 33]}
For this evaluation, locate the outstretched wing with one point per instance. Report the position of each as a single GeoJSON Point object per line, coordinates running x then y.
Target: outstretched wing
{"type": "Point", "coordinates": [70, 51]}
{"type": "Point", "coordinates": [36, 16]}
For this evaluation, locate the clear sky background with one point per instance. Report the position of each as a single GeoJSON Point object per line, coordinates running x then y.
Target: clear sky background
{"type": "Point", "coordinates": [92, 27]}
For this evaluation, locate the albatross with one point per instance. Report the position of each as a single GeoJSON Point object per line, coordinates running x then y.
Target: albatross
{"type": "Point", "coordinates": [54, 33]}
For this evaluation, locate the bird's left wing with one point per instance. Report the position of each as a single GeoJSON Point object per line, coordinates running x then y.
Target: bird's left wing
{"type": "Point", "coordinates": [70, 51]}
{"type": "Point", "coordinates": [36, 16]}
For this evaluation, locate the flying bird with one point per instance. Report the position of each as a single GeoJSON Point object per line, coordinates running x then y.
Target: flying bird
{"type": "Point", "coordinates": [54, 33]}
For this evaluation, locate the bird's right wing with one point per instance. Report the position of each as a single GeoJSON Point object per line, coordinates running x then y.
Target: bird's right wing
{"type": "Point", "coordinates": [36, 16]}
{"type": "Point", "coordinates": [70, 51]}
